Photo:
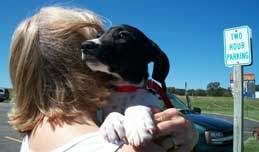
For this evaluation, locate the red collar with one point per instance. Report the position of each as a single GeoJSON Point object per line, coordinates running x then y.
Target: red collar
{"type": "Point", "coordinates": [127, 88]}
{"type": "Point", "coordinates": [149, 85]}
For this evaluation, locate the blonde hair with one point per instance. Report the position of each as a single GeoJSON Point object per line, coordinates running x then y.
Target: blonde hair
{"type": "Point", "coordinates": [48, 76]}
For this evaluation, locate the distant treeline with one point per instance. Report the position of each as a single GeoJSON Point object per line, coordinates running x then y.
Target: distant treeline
{"type": "Point", "coordinates": [221, 92]}
{"type": "Point", "coordinates": [213, 89]}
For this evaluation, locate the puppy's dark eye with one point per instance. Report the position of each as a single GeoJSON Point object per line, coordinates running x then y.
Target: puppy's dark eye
{"type": "Point", "coordinates": [123, 34]}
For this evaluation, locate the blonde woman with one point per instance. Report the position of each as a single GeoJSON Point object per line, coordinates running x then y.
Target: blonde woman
{"type": "Point", "coordinates": [56, 95]}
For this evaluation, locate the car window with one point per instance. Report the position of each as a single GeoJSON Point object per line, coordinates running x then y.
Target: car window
{"type": "Point", "coordinates": [177, 102]}
{"type": "Point", "coordinates": [1, 91]}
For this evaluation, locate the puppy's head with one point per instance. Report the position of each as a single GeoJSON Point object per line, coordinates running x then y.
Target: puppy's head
{"type": "Point", "coordinates": [125, 52]}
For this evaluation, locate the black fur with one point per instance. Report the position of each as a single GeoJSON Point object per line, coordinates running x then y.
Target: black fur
{"type": "Point", "coordinates": [127, 52]}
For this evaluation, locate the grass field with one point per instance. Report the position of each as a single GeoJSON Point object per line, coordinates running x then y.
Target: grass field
{"type": "Point", "coordinates": [224, 105]}
{"type": "Point", "coordinates": [251, 145]}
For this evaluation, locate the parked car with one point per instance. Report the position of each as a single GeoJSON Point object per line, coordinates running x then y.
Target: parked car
{"type": "Point", "coordinates": [4, 94]}
{"type": "Point", "coordinates": [215, 134]}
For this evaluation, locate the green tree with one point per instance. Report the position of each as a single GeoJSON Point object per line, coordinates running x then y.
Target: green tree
{"type": "Point", "coordinates": [223, 92]}
{"type": "Point", "coordinates": [180, 92]}
{"type": "Point", "coordinates": [213, 88]}
{"type": "Point", "coordinates": [191, 92]}
{"type": "Point", "coordinates": [171, 90]}
{"type": "Point", "coordinates": [174, 90]}
{"type": "Point", "coordinates": [257, 87]}
{"type": "Point", "coordinates": [227, 92]}
{"type": "Point", "coordinates": [200, 92]}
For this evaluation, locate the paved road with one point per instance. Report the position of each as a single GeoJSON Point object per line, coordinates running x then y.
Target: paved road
{"type": "Point", "coordinates": [9, 139]}
{"type": "Point", "coordinates": [248, 124]}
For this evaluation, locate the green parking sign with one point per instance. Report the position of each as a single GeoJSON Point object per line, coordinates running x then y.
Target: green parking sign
{"type": "Point", "coordinates": [237, 46]}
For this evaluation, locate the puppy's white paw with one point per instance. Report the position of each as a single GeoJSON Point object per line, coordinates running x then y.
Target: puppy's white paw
{"type": "Point", "coordinates": [139, 125]}
{"type": "Point", "coordinates": [112, 128]}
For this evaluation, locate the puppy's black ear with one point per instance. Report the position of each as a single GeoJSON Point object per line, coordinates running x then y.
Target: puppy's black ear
{"type": "Point", "coordinates": [161, 64]}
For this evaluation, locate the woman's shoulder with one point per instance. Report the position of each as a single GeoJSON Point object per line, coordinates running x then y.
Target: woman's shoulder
{"type": "Point", "coordinates": [90, 142]}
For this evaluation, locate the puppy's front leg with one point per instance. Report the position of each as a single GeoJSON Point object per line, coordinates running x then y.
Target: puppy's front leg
{"type": "Point", "coordinates": [112, 128]}
{"type": "Point", "coordinates": [139, 125]}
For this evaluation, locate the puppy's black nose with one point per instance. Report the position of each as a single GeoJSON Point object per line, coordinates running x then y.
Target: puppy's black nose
{"type": "Point", "coordinates": [88, 46]}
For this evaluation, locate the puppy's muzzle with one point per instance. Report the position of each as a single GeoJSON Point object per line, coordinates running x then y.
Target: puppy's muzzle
{"type": "Point", "coordinates": [88, 47]}
{"type": "Point", "coordinates": [88, 50]}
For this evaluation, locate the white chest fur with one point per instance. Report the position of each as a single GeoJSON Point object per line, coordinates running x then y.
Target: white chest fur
{"type": "Point", "coordinates": [119, 101]}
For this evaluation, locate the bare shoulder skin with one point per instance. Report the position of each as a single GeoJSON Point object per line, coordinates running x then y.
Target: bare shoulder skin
{"type": "Point", "coordinates": [57, 134]}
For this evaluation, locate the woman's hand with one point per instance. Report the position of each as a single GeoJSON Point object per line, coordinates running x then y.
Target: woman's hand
{"type": "Point", "coordinates": [175, 132]}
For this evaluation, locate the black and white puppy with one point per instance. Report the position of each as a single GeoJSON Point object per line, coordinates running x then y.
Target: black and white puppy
{"type": "Point", "coordinates": [124, 52]}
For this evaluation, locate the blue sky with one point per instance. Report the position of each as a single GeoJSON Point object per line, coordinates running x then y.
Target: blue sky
{"type": "Point", "coordinates": [190, 32]}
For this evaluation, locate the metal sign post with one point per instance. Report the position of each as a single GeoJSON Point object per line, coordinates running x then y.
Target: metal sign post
{"type": "Point", "coordinates": [238, 52]}
{"type": "Point", "coordinates": [187, 96]}
{"type": "Point", "coordinates": [238, 145]}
